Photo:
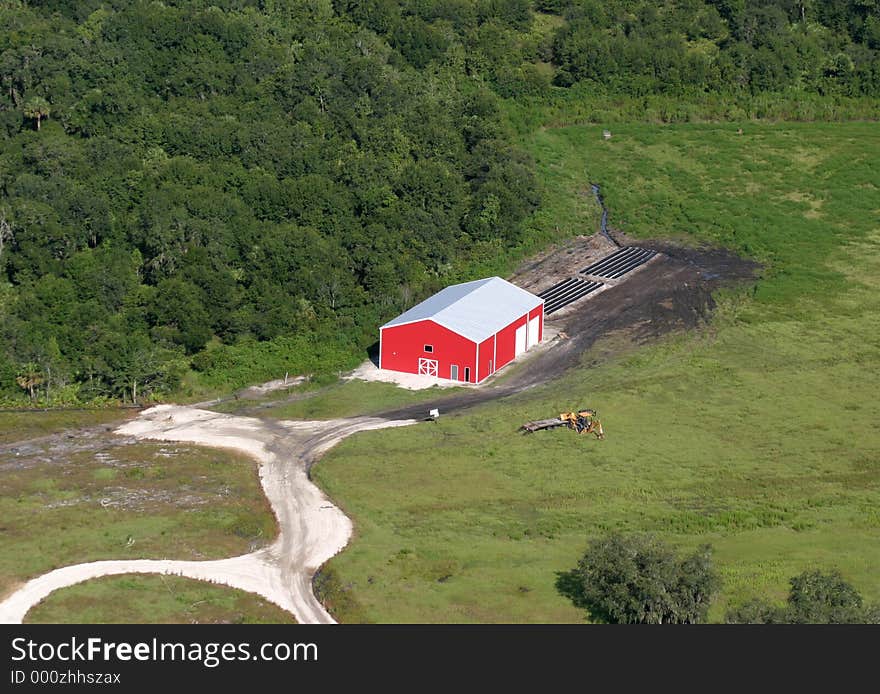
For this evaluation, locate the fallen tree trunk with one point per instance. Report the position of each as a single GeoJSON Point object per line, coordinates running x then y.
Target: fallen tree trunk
{"type": "Point", "coordinates": [530, 427]}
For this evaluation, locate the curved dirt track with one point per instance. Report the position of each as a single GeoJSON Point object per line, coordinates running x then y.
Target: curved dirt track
{"type": "Point", "coordinates": [671, 292]}
{"type": "Point", "coordinates": [311, 528]}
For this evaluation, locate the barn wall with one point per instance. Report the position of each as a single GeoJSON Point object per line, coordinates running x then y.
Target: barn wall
{"type": "Point", "coordinates": [487, 358]}
{"type": "Point", "coordinates": [403, 345]}
{"type": "Point", "coordinates": [505, 345]}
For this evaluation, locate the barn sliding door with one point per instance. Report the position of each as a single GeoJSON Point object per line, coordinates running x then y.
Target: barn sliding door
{"type": "Point", "coordinates": [533, 332]}
{"type": "Point", "coordinates": [520, 342]}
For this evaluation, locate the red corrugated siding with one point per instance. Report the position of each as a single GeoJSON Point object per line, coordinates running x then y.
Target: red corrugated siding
{"type": "Point", "coordinates": [506, 342]}
{"type": "Point", "coordinates": [487, 358]}
{"type": "Point", "coordinates": [403, 345]}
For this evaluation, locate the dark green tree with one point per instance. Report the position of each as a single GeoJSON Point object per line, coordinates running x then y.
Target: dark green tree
{"type": "Point", "coordinates": [818, 597]}
{"type": "Point", "coordinates": [755, 611]}
{"type": "Point", "coordinates": [179, 315]}
{"type": "Point", "coordinates": [640, 580]}
{"type": "Point", "coordinates": [815, 597]}
{"type": "Point", "coordinates": [133, 366]}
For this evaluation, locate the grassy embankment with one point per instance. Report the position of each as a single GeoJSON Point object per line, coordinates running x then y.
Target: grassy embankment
{"type": "Point", "coordinates": [136, 599]}
{"type": "Point", "coordinates": [350, 399]}
{"type": "Point", "coordinates": [87, 497]}
{"type": "Point", "coordinates": [756, 434]}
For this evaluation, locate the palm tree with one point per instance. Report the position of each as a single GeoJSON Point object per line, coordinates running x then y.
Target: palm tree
{"type": "Point", "coordinates": [29, 377]}
{"type": "Point", "coordinates": [38, 109]}
{"type": "Point", "coordinates": [6, 234]}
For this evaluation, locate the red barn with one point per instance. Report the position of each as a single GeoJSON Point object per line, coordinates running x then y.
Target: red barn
{"type": "Point", "coordinates": [465, 332]}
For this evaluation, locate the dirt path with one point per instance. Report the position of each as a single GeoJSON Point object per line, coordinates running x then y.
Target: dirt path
{"type": "Point", "coordinates": [311, 528]}
{"type": "Point", "coordinates": [603, 223]}
{"type": "Point", "coordinates": [671, 292]}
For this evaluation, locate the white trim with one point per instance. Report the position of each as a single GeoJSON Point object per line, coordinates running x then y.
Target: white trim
{"type": "Point", "coordinates": [429, 367]}
{"type": "Point", "coordinates": [435, 322]}
{"type": "Point", "coordinates": [409, 322]}
{"type": "Point", "coordinates": [477, 364]}
{"type": "Point", "coordinates": [532, 340]}
{"type": "Point", "coordinates": [481, 284]}
{"type": "Point", "coordinates": [451, 329]}
{"type": "Point", "coordinates": [381, 340]}
{"type": "Point", "coordinates": [494, 352]}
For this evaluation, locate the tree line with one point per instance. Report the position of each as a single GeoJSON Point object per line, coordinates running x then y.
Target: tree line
{"type": "Point", "coordinates": [641, 47]}
{"type": "Point", "coordinates": [183, 183]}
{"type": "Point", "coordinates": [233, 189]}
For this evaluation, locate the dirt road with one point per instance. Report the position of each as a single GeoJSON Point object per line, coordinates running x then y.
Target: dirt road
{"type": "Point", "coordinates": [311, 528]}
{"type": "Point", "coordinates": [673, 291]}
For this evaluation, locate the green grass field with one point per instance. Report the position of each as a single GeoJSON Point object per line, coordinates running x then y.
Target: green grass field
{"type": "Point", "coordinates": [139, 599]}
{"type": "Point", "coordinates": [20, 426]}
{"type": "Point", "coordinates": [757, 434]}
{"type": "Point", "coordinates": [78, 501]}
{"type": "Point", "coordinates": [353, 398]}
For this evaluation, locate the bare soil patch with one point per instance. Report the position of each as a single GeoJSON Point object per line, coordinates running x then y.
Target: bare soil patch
{"type": "Point", "coordinates": [671, 292]}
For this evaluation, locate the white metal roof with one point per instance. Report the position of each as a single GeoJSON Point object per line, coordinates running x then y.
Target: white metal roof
{"type": "Point", "coordinates": [476, 310]}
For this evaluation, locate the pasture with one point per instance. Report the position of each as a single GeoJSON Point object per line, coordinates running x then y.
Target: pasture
{"type": "Point", "coordinates": [755, 433]}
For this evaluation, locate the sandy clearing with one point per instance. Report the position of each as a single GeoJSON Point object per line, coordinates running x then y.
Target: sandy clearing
{"type": "Point", "coordinates": [311, 528]}
{"type": "Point", "coordinates": [368, 371]}
{"type": "Point", "coordinates": [269, 386]}
{"type": "Point", "coordinates": [257, 391]}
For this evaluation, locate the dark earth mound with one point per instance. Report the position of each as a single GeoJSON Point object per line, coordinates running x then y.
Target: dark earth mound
{"type": "Point", "coordinates": [673, 292]}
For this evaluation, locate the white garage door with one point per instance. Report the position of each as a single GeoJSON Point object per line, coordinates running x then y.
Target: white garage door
{"type": "Point", "coordinates": [533, 332]}
{"type": "Point", "coordinates": [520, 342]}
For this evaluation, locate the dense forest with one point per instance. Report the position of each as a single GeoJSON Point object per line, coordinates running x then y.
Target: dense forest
{"type": "Point", "coordinates": [176, 177]}
{"type": "Point", "coordinates": [214, 191]}
{"type": "Point", "coordinates": [640, 46]}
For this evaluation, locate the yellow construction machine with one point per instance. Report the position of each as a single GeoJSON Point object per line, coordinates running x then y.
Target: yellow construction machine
{"type": "Point", "coordinates": [585, 421]}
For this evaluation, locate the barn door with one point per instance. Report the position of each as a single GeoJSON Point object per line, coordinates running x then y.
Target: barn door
{"type": "Point", "coordinates": [533, 332]}
{"type": "Point", "coordinates": [427, 367]}
{"type": "Point", "coordinates": [453, 372]}
{"type": "Point", "coordinates": [520, 341]}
